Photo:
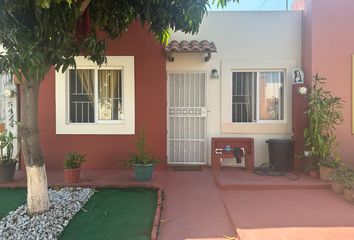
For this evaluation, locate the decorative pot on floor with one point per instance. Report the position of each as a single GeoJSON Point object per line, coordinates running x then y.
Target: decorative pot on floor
{"type": "Point", "coordinates": [325, 173]}
{"type": "Point", "coordinates": [72, 163]}
{"type": "Point", "coordinates": [142, 160]}
{"type": "Point", "coordinates": [72, 175]}
{"type": "Point", "coordinates": [143, 172]}
{"type": "Point", "coordinates": [314, 173]}
{"type": "Point", "coordinates": [338, 178]}
{"type": "Point", "coordinates": [348, 195]}
{"type": "Point", "coordinates": [7, 163]}
{"type": "Point", "coordinates": [337, 187]}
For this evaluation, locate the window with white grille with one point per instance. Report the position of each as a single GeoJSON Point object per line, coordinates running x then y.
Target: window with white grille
{"type": "Point", "coordinates": [93, 99]}
{"type": "Point", "coordinates": [257, 96]}
{"type": "Point", "coordinates": [83, 84]}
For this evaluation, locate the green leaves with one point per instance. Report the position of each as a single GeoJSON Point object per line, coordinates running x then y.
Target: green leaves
{"type": "Point", "coordinates": [6, 147]}
{"type": "Point", "coordinates": [39, 34]}
{"type": "Point", "coordinates": [46, 3]}
{"type": "Point", "coordinates": [74, 160]}
{"type": "Point", "coordinates": [141, 155]}
{"type": "Point", "coordinates": [324, 114]}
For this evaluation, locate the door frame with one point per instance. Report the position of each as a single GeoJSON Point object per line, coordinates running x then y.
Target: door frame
{"type": "Point", "coordinates": [205, 162]}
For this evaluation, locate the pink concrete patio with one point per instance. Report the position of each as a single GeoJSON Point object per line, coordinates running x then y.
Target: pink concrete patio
{"type": "Point", "coordinates": [208, 204]}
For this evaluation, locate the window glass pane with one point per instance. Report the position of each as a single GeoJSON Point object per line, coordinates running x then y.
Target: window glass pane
{"type": "Point", "coordinates": [81, 95]}
{"type": "Point", "coordinates": [110, 99]}
{"type": "Point", "coordinates": [243, 96]}
{"type": "Point", "coordinates": [271, 95]}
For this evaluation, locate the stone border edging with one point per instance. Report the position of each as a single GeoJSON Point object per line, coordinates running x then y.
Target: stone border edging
{"type": "Point", "coordinates": [156, 223]}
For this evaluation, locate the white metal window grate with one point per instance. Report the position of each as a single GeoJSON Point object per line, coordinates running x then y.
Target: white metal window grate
{"type": "Point", "coordinates": [257, 96]}
{"type": "Point", "coordinates": [82, 96]}
{"type": "Point", "coordinates": [95, 95]}
{"type": "Point", "coordinates": [187, 118]}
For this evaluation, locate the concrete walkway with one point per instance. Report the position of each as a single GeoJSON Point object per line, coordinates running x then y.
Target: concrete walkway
{"type": "Point", "coordinates": [195, 208]}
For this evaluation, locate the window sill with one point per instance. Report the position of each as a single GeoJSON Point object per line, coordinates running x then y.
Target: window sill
{"type": "Point", "coordinates": [261, 128]}
{"type": "Point", "coordinates": [126, 128]}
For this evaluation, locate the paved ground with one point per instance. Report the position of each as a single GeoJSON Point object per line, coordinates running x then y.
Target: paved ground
{"type": "Point", "coordinates": [290, 214]}
{"type": "Point", "coordinates": [193, 208]}
{"type": "Point", "coordinates": [207, 205]}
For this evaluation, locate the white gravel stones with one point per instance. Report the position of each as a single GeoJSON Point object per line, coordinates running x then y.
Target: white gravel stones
{"type": "Point", "coordinates": [65, 203]}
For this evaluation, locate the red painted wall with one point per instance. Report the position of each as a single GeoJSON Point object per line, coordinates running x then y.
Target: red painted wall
{"type": "Point", "coordinates": [331, 44]}
{"type": "Point", "coordinates": [111, 151]}
{"type": "Point", "coordinates": [299, 103]}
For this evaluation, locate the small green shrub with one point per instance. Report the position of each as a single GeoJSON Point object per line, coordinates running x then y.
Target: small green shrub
{"type": "Point", "coordinates": [142, 154]}
{"type": "Point", "coordinates": [6, 147]}
{"type": "Point", "coordinates": [74, 160]}
{"type": "Point", "coordinates": [339, 174]}
{"type": "Point", "coordinates": [348, 179]}
{"type": "Point", "coordinates": [330, 162]}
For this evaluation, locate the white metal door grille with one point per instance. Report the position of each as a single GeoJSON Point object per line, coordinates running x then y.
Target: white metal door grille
{"type": "Point", "coordinates": [186, 118]}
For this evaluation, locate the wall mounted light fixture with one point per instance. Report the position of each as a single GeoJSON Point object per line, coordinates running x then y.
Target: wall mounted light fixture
{"type": "Point", "coordinates": [9, 93]}
{"type": "Point", "coordinates": [214, 74]}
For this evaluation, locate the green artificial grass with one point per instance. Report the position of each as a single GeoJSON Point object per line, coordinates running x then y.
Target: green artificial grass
{"type": "Point", "coordinates": [10, 199]}
{"type": "Point", "coordinates": [115, 214]}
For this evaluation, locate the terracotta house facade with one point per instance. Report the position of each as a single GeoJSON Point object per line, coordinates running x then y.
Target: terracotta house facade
{"type": "Point", "coordinates": [235, 79]}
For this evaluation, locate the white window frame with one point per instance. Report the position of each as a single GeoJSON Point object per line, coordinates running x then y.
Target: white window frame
{"type": "Point", "coordinates": [258, 71]}
{"type": "Point", "coordinates": [109, 127]}
{"type": "Point", "coordinates": [230, 65]}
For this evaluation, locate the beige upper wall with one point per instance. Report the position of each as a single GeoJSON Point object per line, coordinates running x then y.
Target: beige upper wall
{"type": "Point", "coordinates": [253, 40]}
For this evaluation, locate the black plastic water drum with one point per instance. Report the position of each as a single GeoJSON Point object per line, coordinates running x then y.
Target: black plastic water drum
{"type": "Point", "coordinates": [281, 154]}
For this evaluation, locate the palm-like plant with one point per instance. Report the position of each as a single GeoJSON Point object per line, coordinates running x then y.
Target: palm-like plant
{"type": "Point", "coordinates": [324, 114]}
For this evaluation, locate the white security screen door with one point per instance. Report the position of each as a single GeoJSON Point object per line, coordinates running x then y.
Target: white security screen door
{"type": "Point", "coordinates": [187, 118]}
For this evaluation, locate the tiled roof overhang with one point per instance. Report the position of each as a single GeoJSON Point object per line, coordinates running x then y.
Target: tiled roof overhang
{"type": "Point", "coordinates": [193, 46]}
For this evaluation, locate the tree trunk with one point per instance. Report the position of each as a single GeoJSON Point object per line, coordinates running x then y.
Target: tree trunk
{"type": "Point", "coordinates": [37, 188]}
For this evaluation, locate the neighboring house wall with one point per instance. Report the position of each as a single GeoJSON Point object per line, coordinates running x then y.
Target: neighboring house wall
{"type": "Point", "coordinates": [244, 41]}
{"type": "Point", "coordinates": [330, 45]}
{"type": "Point", "coordinates": [111, 151]}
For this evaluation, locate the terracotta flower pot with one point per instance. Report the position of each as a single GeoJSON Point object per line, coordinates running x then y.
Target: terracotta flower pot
{"type": "Point", "coordinates": [72, 175]}
{"type": "Point", "coordinates": [337, 187]}
{"type": "Point", "coordinates": [325, 173]}
{"type": "Point", "coordinates": [313, 173]}
{"type": "Point", "coordinates": [348, 195]}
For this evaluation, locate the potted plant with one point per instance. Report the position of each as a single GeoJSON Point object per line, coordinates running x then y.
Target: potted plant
{"type": "Point", "coordinates": [312, 167]}
{"type": "Point", "coordinates": [348, 185]}
{"type": "Point", "coordinates": [72, 163]}
{"type": "Point", "coordinates": [7, 161]}
{"type": "Point", "coordinates": [142, 161]}
{"type": "Point", "coordinates": [337, 179]}
{"type": "Point", "coordinates": [328, 167]}
{"type": "Point", "coordinates": [324, 115]}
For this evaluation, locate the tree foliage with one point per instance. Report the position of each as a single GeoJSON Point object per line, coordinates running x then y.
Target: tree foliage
{"type": "Point", "coordinates": [38, 34]}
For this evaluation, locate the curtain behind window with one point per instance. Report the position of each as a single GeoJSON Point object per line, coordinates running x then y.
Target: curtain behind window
{"type": "Point", "coordinates": [243, 96]}
{"type": "Point", "coordinates": [110, 95]}
{"type": "Point", "coordinates": [271, 99]}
